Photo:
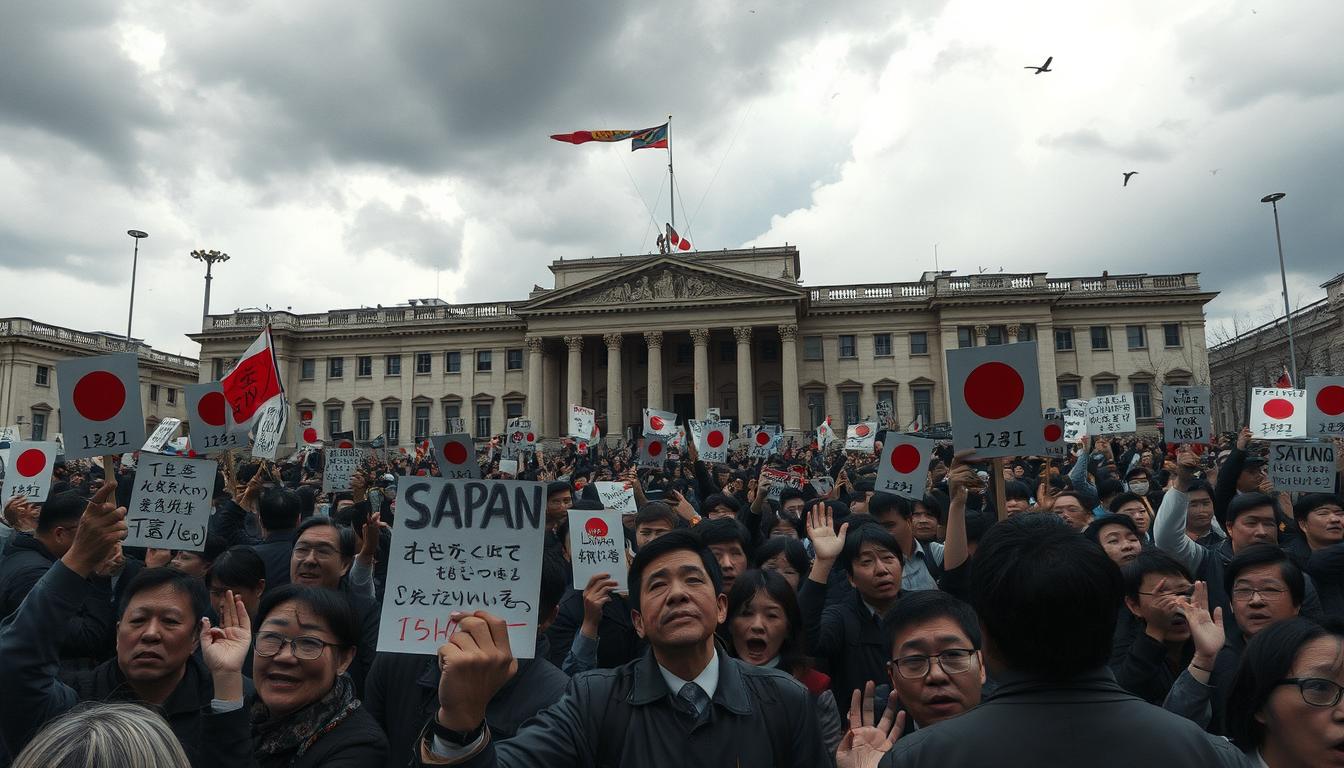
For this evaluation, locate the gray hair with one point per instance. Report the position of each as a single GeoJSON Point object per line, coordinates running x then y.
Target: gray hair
{"type": "Point", "coordinates": [97, 734]}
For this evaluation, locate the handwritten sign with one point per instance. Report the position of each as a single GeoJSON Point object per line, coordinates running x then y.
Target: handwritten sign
{"type": "Point", "coordinates": [162, 434]}
{"type": "Point", "coordinates": [28, 471]}
{"type": "Point", "coordinates": [211, 419]}
{"type": "Point", "coordinates": [712, 414]}
{"type": "Point", "coordinates": [463, 545]}
{"type": "Point", "coordinates": [1325, 406]}
{"type": "Point", "coordinates": [1075, 421]}
{"type": "Point", "coordinates": [1111, 414]}
{"type": "Point", "coordinates": [904, 468]}
{"type": "Point", "coordinates": [711, 439]}
{"type": "Point", "coordinates": [339, 467]}
{"type": "Point", "coordinates": [581, 422]}
{"type": "Point", "coordinates": [617, 496]}
{"type": "Point", "coordinates": [170, 503]}
{"type": "Point", "coordinates": [779, 480]}
{"type": "Point", "coordinates": [455, 425]}
{"type": "Point", "coordinates": [885, 410]}
{"type": "Point", "coordinates": [1308, 467]}
{"type": "Point", "coordinates": [1187, 416]}
{"type": "Point", "coordinates": [1053, 430]}
{"type": "Point", "coordinates": [653, 453]}
{"type": "Point", "coordinates": [1278, 413]}
{"type": "Point", "coordinates": [269, 429]}
{"type": "Point", "coordinates": [860, 437]}
{"type": "Point", "coordinates": [101, 413]}
{"type": "Point", "coordinates": [597, 545]}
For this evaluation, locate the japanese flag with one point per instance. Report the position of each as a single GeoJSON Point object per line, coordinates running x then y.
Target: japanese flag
{"type": "Point", "coordinates": [100, 405]}
{"type": "Point", "coordinates": [653, 453]}
{"type": "Point", "coordinates": [711, 440]}
{"type": "Point", "coordinates": [343, 439]}
{"type": "Point", "coordinates": [310, 433]}
{"type": "Point", "coordinates": [905, 465]}
{"type": "Point", "coordinates": [1278, 414]}
{"type": "Point", "coordinates": [995, 394]}
{"type": "Point", "coordinates": [211, 420]}
{"type": "Point", "coordinates": [1052, 432]}
{"type": "Point", "coordinates": [663, 423]}
{"type": "Point", "coordinates": [28, 471]}
{"type": "Point", "coordinates": [456, 456]}
{"type": "Point", "coordinates": [1325, 406]}
{"type": "Point", "coordinates": [860, 437]}
{"type": "Point", "coordinates": [254, 382]}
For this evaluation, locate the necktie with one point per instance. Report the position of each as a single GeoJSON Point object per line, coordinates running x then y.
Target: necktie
{"type": "Point", "coordinates": [693, 700]}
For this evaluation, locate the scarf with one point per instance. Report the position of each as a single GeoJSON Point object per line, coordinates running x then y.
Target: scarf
{"type": "Point", "coordinates": [292, 735]}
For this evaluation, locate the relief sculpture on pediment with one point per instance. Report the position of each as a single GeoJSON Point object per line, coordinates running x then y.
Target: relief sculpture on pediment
{"type": "Point", "coordinates": [666, 285]}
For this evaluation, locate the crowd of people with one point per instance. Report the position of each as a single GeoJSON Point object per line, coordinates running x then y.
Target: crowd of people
{"type": "Point", "coordinates": [1133, 603]}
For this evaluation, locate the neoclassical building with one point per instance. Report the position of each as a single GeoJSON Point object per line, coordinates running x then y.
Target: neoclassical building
{"type": "Point", "coordinates": [733, 329]}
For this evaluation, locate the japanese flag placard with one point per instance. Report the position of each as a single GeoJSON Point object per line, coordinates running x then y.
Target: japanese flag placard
{"type": "Point", "coordinates": [1052, 433]}
{"type": "Point", "coordinates": [1325, 406]}
{"type": "Point", "coordinates": [1111, 414]}
{"type": "Point", "coordinates": [617, 496]}
{"type": "Point", "coordinates": [653, 453]}
{"type": "Point", "coordinates": [310, 433]}
{"type": "Point", "coordinates": [211, 420]}
{"type": "Point", "coordinates": [762, 440]}
{"type": "Point", "coordinates": [1278, 414]}
{"type": "Point", "coordinates": [662, 423]}
{"type": "Point", "coordinates": [170, 503]}
{"type": "Point", "coordinates": [711, 440]}
{"type": "Point", "coordinates": [996, 400]}
{"type": "Point", "coordinates": [860, 437]}
{"type": "Point", "coordinates": [582, 421]}
{"type": "Point", "coordinates": [904, 467]}
{"type": "Point", "coordinates": [456, 456]}
{"type": "Point", "coordinates": [28, 471]}
{"type": "Point", "coordinates": [100, 405]}
{"type": "Point", "coordinates": [597, 545]}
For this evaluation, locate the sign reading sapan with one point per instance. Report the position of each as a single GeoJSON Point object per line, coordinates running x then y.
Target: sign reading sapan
{"type": "Point", "coordinates": [1186, 417]}
{"type": "Point", "coordinates": [1111, 414]}
{"type": "Point", "coordinates": [1308, 467]}
{"type": "Point", "coordinates": [463, 545]}
{"type": "Point", "coordinates": [597, 545]}
{"type": "Point", "coordinates": [170, 503]}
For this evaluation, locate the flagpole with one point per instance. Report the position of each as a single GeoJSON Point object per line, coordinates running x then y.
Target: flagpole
{"type": "Point", "coordinates": [671, 179]}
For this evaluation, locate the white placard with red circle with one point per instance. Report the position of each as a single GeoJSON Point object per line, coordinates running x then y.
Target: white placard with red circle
{"type": "Point", "coordinates": [904, 467]}
{"type": "Point", "coordinates": [310, 432]}
{"type": "Point", "coordinates": [860, 437]}
{"type": "Point", "coordinates": [661, 423]}
{"type": "Point", "coordinates": [1278, 414]}
{"type": "Point", "coordinates": [711, 439]}
{"type": "Point", "coordinates": [1325, 406]}
{"type": "Point", "coordinates": [597, 545]}
{"type": "Point", "coordinates": [995, 393]}
{"type": "Point", "coordinates": [653, 452]}
{"type": "Point", "coordinates": [1052, 432]}
{"type": "Point", "coordinates": [456, 456]}
{"type": "Point", "coordinates": [211, 420]}
{"type": "Point", "coordinates": [28, 470]}
{"type": "Point", "coordinates": [101, 413]}
{"type": "Point", "coordinates": [762, 440]}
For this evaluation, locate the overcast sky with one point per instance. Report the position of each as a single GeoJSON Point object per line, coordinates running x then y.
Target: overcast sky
{"type": "Point", "coordinates": [347, 154]}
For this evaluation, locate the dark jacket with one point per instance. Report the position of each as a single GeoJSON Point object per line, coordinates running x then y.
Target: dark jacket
{"type": "Point", "coordinates": [88, 632]}
{"type": "Point", "coordinates": [617, 642]}
{"type": "Point", "coordinates": [625, 717]}
{"type": "Point", "coordinates": [1143, 670]}
{"type": "Point", "coordinates": [357, 742]}
{"type": "Point", "coordinates": [402, 694]}
{"type": "Point", "coordinates": [368, 613]}
{"type": "Point", "coordinates": [234, 524]}
{"type": "Point", "coordinates": [33, 695]}
{"type": "Point", "coordinates": [847, 637]}
{"type": "Point", "coordinates": [1325, 566]}
{"type": "Point", "coordinates": [275, 551]}
{"type": "Point", "coordinates": [1088, 720]}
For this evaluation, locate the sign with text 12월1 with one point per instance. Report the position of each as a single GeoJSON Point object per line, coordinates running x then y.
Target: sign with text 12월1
{"type": "Point", "coordinates": [463, 545]}
{"type": "Point", "coordinates": [904, 467]}
{"type": "Point", "coordinates": [28, 471]}
{"type": "Point", "coordinates": [1278, 414]}
{"type": "Point", "coordinates": [1325, 406]}
{"type": "Point", "coordinates": [995, 394]}
{"type": "Point", "coordinates": [597, 545]}
{"type": "Point", "coordinates": [100, 405]}
{"type": "Point", "coordinates": [1307, 467]}
{"type": "Point", "coordinates": [211, 420]}
{"type": "Point", "coordinates": [1187, 415]}
{"type": "Point", "coordinates": [170, 503]}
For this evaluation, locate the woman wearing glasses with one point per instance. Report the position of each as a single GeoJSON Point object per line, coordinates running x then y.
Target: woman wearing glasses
{"type": "Point", "coordinates": [1286, 705]}
{"type": "Point", "coordinates": [305, 712]}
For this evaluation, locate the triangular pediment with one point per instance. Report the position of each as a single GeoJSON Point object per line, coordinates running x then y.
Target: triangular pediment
{"type": "Point", "coordinates": [665, 282]}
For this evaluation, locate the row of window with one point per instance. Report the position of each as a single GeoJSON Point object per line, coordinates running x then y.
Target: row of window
{"type": "Point", "coordinates": [1136, 337]}
{"type": "Point", "coordinates": [1143, 395]}
{"type": "Point", "coordinates": [424, 364]}
{"type": "Point", "coordinates": [849, 405]}
{"type": "Point", "coordinates": [482, 427]}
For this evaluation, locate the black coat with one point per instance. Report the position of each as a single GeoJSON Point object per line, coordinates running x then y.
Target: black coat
{"type": "Point", "coordinates": [368, 613]}
{"type": "Point", "coordinates": [847, 637]}
{"type": "Point", "coordinates": [357, 742]}
{"type": "Point", "coordinates": [617, 642]}
{"type": "Point", "coordinates": [88, 634]}
{"type": "Point", "coordinates": [275, 551]}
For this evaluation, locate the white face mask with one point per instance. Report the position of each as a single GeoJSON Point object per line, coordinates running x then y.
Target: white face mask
{"type": "Point", "coordinates": [1140, 487]}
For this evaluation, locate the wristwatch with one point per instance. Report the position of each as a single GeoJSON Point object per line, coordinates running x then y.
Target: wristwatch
{"type": "Point", "coordinates": [455, 738]}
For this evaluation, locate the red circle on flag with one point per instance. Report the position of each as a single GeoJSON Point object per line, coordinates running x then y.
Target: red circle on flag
{"type": "Point", "coordinates": [455, 453]}
{"type": "Point", "coordinates": [211, 408]}
{"type": "Point", "coordinates": [596, 527]}
{"type": "Point", "coordinates": [656, 422]}
{"type": "Point", "coordinates": [905, 458]}
{"type": "Point", "coordinates": [99, 395]}
{"type": "Point", "coordinates": [191, 454]}
{"type": "Point", "coordinates": [655, 447]}
{"type": "Point", "coordinates": [531, 437]}
{"type": "Point", "coordinates": [1053, 432]}
{"type": "Point", "coordinates": [345, 444]}
{"type": "Point", "coordinates": [310, 435]}
{"type": "Point", "coordinates": [862, 430]}
{"type": "Point", "coordinates": [762, 438]}
{"type": "Point", "coordinates": [714, 439]}
{"type": "Point", "coordinates": [993, 390]}
{"type": "Point", "coordinates": [1331, 400]}
{"type": "Point", "coordinates": [1278, 408]}
{"type": "Point", "coordinates": [31, 462]}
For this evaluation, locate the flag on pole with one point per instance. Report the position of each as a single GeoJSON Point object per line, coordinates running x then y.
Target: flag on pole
{"type": "Point", "coordinates": [645, 138]}
{"type": "Point", "coordinates": [254, 382]}
{"type": "Point", "coordinates": [1285, 381]}
{"type": "Point", "coordinates": [677, 240]}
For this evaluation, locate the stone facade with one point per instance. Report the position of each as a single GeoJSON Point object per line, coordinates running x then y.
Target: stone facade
{"type": "Point", "coordinates": [1259, 356]}
{"type": "Point", "coordinates": [30, 350]}
{"type": "Point", "coordinates": [734, 329]}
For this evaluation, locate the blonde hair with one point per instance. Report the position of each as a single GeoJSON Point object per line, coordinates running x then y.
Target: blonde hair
{"type": "Point", "coordinates": [95, 735]}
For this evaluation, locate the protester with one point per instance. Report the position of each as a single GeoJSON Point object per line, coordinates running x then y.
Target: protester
{"type": "Point", "coordinates": [118, 734]}
{"type": "Point", "coordinates": [937, 669]}
{"type": "Point", "coordinates": [785, 556]}
{"type": "Point", "coordinates": [1155, 584]}
{"type": "Point", "coordinates": [730, 541]}
{"type": "Point", "coordinates": [1118, 535]}
{"type": "Point", "coordinates": [921, 564]}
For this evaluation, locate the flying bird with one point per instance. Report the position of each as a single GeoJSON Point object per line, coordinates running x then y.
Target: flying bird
{"type": "Point", "coordinates": [1215, 171]}
{"type": "Point", "coordinates": [1127, 175]}
{"type": "Point", "coordinates": [1043, 68]}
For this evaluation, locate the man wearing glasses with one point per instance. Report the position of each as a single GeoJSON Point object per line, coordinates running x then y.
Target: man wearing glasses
{"type": "Point", "coordinates": [1155, 584]}
{"type": "Point", "coordinates": [936, 669]}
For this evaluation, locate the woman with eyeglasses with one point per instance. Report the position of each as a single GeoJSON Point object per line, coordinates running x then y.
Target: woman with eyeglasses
{"type": "Point", "coordinates": [1286, 708]}
{"type": "Point", "coordinates": [304, 712]}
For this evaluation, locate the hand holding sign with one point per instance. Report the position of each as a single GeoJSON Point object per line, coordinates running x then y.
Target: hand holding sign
{"type": "Point", "coordinates": [595, 597]}
{"type": "Point", "coordinates": [101, 530]}
{"type": "Point", "coordinates": [473, 665]}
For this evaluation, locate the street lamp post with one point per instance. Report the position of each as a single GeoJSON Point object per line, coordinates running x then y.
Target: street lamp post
{"type": "Point", "coordinates": [1273, 199]}
{"type": "Point", "coordinates": [135, 258]}
{"type": "Point", "coordinates": [209, 257]}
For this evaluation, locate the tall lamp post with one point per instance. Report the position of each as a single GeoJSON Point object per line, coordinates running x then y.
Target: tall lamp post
{"type": "Point", "coordinates": [135, 258]}
{"type": "Point", "coordinates": [1273, 199]}
{"type": "Point", "coordinates": [209, 257]}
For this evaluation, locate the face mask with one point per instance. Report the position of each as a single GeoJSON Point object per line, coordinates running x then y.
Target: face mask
{"type": "Point", "coordinates": [1140, 488]}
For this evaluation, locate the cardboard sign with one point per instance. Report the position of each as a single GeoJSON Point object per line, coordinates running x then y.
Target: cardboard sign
{"type": "Point", "coordinates": [711, 439]}
{"type": "Point", "coordinates": [269, 429]}
{"type": "Point", "coordinates": [885, 411]}
{"type": "Point", "coordinates": [170, 503]}
{"type": "Point", "coordinates": [653, 453]}
{"type": "Point", "coordinates": [100, 405]}
{"type": "Point", "coordinates": [823, 484]}
{"type": "Point", "coordinates": [456, 425]}
{"type": "Point", "coordinates": [1075, 421]}
{"type": "Point", "coordinates": [309, 432]}
{"type": "Point", "coordinates": [463, 545]}
{"type": "Point", "coordinates": [1308, 467]}
{"type": "Point", "coordinates": [996, 400]}
{"type": "Point", "coordinates": [1278, 413]}
{"type": "Point", "coordinates": [456, 456]}
{"type": "Point", "coordinates": [661, 423]}
{"type": "Point", "coordinates": [762, 440]}
{"type": "Point", "coordinates": [211, 419]}
{"type": "Point", "coordinates": [617, 496]}
{"type": "Point", "coordinates": [597, 545]}
{"type": "Point", "coordinates": [28, 471]}
{"type": "Point", "coordinates": [1053, 430]}
{"type": "Point", "coordinates": [1111, 414]}
{"type": "Point", "coordinates": [162, 434]}
{"type": "Point", "coordinates": [904, 467]}
{"type": "Point", "coordinates": [509, 467]}
{"type": "Point", "coordinates": [860, 437]}
{"type": "Point", "coordinates": [1187, 415]}
{"type": "Point", "coordinates": [712, 414]}
{"type": "Point", "coordinates": [1325, 406]}
{"type": "Point", "coordinates": [339, 467]}
{"type": "Point", "coordinates": [582, 421]}
{"type": "Point", "coordinates": [521, 435]}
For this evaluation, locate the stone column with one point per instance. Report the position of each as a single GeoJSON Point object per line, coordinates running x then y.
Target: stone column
{"type": "Point", "coordinates": [980, 332]}
{"type": "Point", "coordinates": [700, 337]}
{"type": "Point", "coordinates": [535, 407]}
{"type": "Point", "coordinates": [615, 394]}
{"type": "Point", "coordinates": [746, 389]}
{"type": "Point", "coordinates": [574, 372]}
{"type": "Point", "coordinates": [1013, 330]}
{"type": "Point", "coordinates": [788, 348]}
{"type": "Point", "coordinates": [655, 341]}
{"type": "Point", "coordinates": [550, 386]}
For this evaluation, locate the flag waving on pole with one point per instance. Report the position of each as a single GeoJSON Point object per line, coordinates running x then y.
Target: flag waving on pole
{"type": "Point", "coordinates": [676, 240]}
{"type": "Point", "coordinates": [254, 382]}
{"type": "Point", "coordinates": [645, 138]}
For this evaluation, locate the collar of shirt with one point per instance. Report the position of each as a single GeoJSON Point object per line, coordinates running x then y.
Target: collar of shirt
{"type": "Point", "coordinates": [773, 663]}
{"type": "Point", "coordinates": [877, 615]}
{"type": "Point", "coordinates": [708, 679]}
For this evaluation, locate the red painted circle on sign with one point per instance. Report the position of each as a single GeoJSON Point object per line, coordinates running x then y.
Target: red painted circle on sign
{"type": "Point", "coordinates": [596, 527]}
{"type": "Point", "coordinates": [1278, 408]}
{"type": "Point", "coordinates": [993, 390]}
{"type": "Point", "coordinates": [656, 422]}
{"type": "Point", "coordinates": [31, 462]}
{"type": "Point", "coordinates": [531, 437]}
{"type": "Point", "coordinates": [714, 439]}
{"type": "Point", "coordinates": [191, 454]}
{"type": "Point", "coordinates": [99, 395]}
{"type": "Point", "coordinates": [655, 448]}
{"type": "Point", "coordinates": [310, 435]}
{"type": "Point", "coordinates": [211, 408]}
{"type": "Point", "coordinates": [345, 444]}
{"type": "Point", "coordinates": [762, 438]}
{"type": "Point", "coordinates": [905, 458]}
{"type": "Point", "coordinates": [455, 453]}
{"type": "Point", "coordinates": [862, 430]}
{"type": "Point", "coordinates": [1331, 400]}
{"type": "Point", "coordinates": [1053, 432]}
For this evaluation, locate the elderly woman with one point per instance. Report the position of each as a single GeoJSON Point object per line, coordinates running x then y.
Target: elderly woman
{"type": "Point", "coordinates": [304, 712]}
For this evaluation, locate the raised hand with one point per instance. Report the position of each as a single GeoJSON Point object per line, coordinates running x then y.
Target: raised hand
{"type": "Point", "coordinates": [101, 530]}
{"type": "Point", "coordinates": [1206, 629]}
{"type": "Point", "coordinates": [683, 507]}
{"type": "Point", "coordinates": [224, 648]}
{"type": "Point", "coordinates": [865, 743]}
{"type": "Point", "coordinates": [368, 544]}
{"type": "Point", "coordinates": [1244, 438]}
{"type": "Point", "coordinates": [826, 541]}
{"type": "Point", "coordinates": [157, 558]}
{"type": "Point", "coordinates": [473, 665]}
{"type": "Point", "coordinates": [595, 596]}
{"type": "Point", "coordinates": [962, 479]}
